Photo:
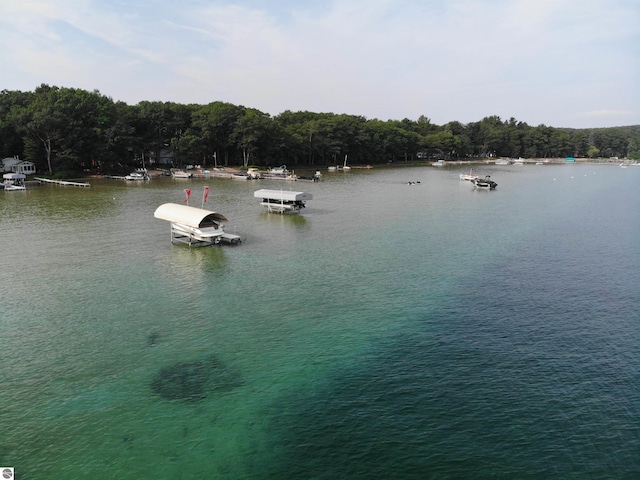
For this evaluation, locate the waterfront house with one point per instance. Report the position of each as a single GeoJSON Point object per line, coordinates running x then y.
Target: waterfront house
{"type": "Point", "coordinates": [15, 165]}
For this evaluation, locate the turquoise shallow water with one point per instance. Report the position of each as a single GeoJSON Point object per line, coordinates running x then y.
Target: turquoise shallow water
{"type": "Point", "coordinates": [391, 331]}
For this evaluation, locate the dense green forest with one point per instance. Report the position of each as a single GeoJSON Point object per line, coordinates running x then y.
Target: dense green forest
{"type": "Point", "coordinates": [67, 130]}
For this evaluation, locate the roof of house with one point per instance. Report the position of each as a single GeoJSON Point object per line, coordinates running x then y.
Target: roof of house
{"type": "Point", "coordinates": [15, 161]}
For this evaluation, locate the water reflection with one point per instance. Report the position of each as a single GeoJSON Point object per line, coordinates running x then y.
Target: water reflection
{"type": "Point", "coordinates": [279, 219]}
{"type": "Point", "coordinates": [58, 203]}
{"type": "Point", "coordinates": [190, 261]}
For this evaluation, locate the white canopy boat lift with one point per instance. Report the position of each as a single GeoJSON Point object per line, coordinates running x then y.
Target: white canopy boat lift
{"type": "Point", "coordinates": [195, 226]}
{"type": "Point", "coordinates": [282, 201]}
{"type": "Point", "coordinates": [13, 181]}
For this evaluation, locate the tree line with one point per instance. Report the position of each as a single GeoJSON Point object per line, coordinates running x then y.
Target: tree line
{"type": "Point", "coordinates": [68, 130]}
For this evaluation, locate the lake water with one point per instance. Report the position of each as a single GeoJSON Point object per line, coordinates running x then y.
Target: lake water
{"type": "Point", "coordinates": [390, 331]}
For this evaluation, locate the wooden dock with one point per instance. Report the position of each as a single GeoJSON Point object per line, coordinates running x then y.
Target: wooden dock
{"type": "Point", "coordinates": [64, 183]}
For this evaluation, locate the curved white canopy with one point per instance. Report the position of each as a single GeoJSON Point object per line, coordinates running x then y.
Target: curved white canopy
{"type": "Point", "coordinates": [190, 216]}
{"type": "Point", "coordinates": [14, 176]}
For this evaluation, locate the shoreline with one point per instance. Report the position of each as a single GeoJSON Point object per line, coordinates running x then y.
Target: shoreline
{"type": "Point", "coordinates": [228, 172]}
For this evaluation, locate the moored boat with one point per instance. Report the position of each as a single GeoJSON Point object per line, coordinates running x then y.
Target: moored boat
{"type": "Point", "coordinates": [310, 178]}
{"type": "Point", "coordinates": [468, 177]}
{"type": "Point", "coordinates": [177, 173]}
{"type": "Point", "coordinates": [138, 176]}
{"type": "Point", "coordinates": [484, 183]}
{"type": "Point", "coordinates": [13, 182]}
{"type": "Point", "coordinates": [254, 173]}
{"type": "Point", "coordinates": [282, 201]}
{"type": "Point", "coordinates": [280, 173]}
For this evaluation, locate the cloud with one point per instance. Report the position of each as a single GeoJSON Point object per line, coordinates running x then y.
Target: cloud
{"type": "Point", "coordinates": [541, 62]}
{"type": "Point", "coordinates": [608, 113]}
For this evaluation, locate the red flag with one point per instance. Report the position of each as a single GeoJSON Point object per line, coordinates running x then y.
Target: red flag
{"type": "Point", "coordinates": [206, 193]}
{"type": "Point", "coordinates": [188, 192]}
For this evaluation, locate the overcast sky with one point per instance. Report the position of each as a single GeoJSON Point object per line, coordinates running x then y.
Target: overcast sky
{"type": "Point", "coordinates": [563, 63]}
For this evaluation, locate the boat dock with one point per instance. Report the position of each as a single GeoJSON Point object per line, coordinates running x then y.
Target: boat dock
{"type": "Point", "coordinates": [64, 183]}
{"type": "Point", "coordinates": [195, 226]}
{"type": "Point", "coordinates": [282, 201]}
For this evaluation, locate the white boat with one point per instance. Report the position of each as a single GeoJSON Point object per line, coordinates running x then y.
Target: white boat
{"type": "Point", "coordinates": [280, 173]}
{"type": "Point", "coordinates": [468, 177]}
{"type": "Point", "coordinates": [345, 166]}
{"type": "Point", "coordinates": [439, 163]}
{"type": "Point", "coordinates": [484, 183]}
{"type": "Point", "coordinates": [177, 173]}
{"type": "Point", "coordinates": [503, 161]}
{"type": "Point", "coordinates": [195, 226]}
{"type": "Point", "coordinates": [137, 176]}
{"type": "Point", "coordinates": [13, 182]}
{"type": "Point", "coordinates": [282, 201]}
{"type": "Point", "coordinates": [253, 173]}
{"type": "Point", "coordinates": [333, 168]}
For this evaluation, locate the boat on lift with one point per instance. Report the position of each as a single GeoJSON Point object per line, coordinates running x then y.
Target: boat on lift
{"type": "Point", "coordinates": [13, 182]}
{"type": "Point", "coordinates": [195, 226]}
{"type": "Point", "coordinates": [282, 201]}
{"type": "Point", "coordinates": [484, 183]}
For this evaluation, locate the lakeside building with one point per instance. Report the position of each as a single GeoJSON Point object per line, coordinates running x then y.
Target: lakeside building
{"type": "Point", "coordinates": [15, 165]}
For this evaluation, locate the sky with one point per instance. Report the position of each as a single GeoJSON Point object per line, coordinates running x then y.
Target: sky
{"type": "Point", "coordinates": [561, 63]}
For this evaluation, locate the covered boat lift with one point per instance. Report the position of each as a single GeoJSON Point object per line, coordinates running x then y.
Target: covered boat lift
{"type": "Point", "coordinates": [13, 181]}
{"type": "Point", "coordinates": [282, 201]}
{"type": "Point", "coordinates": [195, 226]}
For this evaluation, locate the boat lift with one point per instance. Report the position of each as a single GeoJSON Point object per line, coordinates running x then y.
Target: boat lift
{"type": "Point", "coordinates": [195, 226]}
{"type": "Point", "coordinates": [282, 201]}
